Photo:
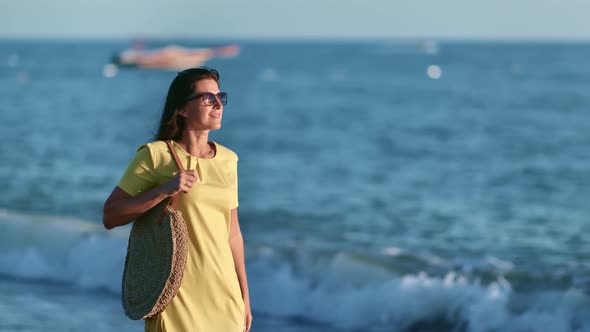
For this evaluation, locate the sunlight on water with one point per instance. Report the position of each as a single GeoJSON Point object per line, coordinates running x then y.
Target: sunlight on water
{"type": "Point", "coordinates": [371, 195]}
{"type": "Point", "coordinates": [434, 72]}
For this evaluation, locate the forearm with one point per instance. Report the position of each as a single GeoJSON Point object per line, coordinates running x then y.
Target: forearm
{"type": "Point", "coordinates": [237, 248]}
{"type": "Point", "coordinates": [123, 211]}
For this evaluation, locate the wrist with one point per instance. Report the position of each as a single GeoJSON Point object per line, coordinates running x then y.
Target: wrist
{"type": "Point", "coordinates": [162, 193]}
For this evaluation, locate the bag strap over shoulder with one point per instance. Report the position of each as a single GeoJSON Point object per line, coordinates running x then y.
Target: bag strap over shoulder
{"type": "Point", "coordinates": [173, 150]}
{"type": "Point", "coordinates": [180, 167]}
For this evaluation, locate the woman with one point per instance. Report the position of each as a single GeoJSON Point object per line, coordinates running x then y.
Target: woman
{"type": "Point", "coordinates": [214, 295]}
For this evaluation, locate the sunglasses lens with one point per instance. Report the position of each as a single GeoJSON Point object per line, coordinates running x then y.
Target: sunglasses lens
{"type": "Point", "coordinates": [222, 98]}
{"type": "Point", "coordinates": [208, 99]}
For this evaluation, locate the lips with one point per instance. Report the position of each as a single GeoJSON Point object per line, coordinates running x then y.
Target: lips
{"type": "Point", "coordinates": [215, 115]}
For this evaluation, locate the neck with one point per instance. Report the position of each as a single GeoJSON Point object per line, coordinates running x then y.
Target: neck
{"type": "Point", "coordinates": [196, 143]}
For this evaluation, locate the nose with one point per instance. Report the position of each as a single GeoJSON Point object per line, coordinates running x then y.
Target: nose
{"type": "Point", "coordinates": [217, 103]}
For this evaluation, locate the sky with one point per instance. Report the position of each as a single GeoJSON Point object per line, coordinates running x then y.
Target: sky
{"type": "Point", "coordinates": [297, 19]}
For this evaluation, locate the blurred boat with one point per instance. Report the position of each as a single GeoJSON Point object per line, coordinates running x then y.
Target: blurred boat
{"type": "Point", "coordinates": [171, 57]}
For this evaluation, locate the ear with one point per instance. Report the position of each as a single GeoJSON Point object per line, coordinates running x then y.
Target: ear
{"type": "Point", "coordinates": [182, 112]}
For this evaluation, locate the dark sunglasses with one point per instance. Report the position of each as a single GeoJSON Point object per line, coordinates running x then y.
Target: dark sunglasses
{"type": "Point", "coordinates": [209, 98]}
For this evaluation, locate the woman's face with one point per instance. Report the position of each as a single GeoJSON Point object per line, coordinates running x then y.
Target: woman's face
{"type": "Point", "coordinates": [200, 116]}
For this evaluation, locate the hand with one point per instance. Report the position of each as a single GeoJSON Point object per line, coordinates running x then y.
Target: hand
{"type": "Point", "coordinates": [248, 318]}
{"type": "Point", "coordinates": [183, 181]}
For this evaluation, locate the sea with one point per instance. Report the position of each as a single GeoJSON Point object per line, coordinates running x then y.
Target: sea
{"type": "Point", "coordinates": [384, 185]}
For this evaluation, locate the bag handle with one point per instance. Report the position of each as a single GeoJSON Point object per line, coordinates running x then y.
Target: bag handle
{"type": "Point", "coordinates": [181, 168]}
{"type": "Point", "coordinates": [173, 150]}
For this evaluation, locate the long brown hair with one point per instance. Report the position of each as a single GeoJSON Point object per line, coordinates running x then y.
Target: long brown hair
{"type": "Point", "coordinates": [171, 124]}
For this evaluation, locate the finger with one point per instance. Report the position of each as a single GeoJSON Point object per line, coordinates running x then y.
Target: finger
{"type": "Point", "coordinates": [182, 186]}
{"type": "Point", "coordinates": [184, 174]}
{"type": "Point", "coordinates": [185, 177]}
{"type": "Point", "coordinates": [248, 323]}
{"type": "Point", "coordinates": [185, 189]}
{"type": "Point", "coordinates": [190, 176]}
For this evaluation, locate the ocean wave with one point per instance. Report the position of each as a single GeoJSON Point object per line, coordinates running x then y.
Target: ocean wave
{"type": "Point", "coordinates": [334, 288]}
{"type": "Point", "coordinates": [351, 293]}
{"type": "Point", "coordinates": [61, 249]}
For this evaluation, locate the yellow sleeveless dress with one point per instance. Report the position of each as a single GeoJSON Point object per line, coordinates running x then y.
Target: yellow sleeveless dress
{"type": "Point", "coordinates": [209, 299]}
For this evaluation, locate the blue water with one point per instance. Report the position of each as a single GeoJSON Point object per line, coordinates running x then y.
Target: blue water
{"type": "Point", "coordinates": [373, 197]}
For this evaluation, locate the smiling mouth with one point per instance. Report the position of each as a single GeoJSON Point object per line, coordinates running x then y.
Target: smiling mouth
{"type": "Point", "coordinates": [215, 115]}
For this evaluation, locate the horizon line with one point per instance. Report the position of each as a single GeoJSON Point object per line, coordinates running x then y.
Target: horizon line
{"type": "Point", "coordinates": [291, 38]}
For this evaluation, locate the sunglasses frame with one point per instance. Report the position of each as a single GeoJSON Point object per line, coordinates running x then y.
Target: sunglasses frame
{"type": "Point", "coordinates": [215, 97]}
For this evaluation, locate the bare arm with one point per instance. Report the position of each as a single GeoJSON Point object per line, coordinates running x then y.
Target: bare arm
{"type": "Point", "coordinates": [121, 208]}
{"type": "Point", "coordinates": [236, 243]}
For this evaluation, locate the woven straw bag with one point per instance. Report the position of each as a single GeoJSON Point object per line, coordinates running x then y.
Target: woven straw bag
{"type": "Point", "coordinates": [156, 258]}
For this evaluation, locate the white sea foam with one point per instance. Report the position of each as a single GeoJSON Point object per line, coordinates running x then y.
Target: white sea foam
{"type": "Point", "coordinates": [339, 290]}
{"type": "Point", "coordinates": [61, 249]}
{"type": "Point", "coordinates": [400, 303]}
